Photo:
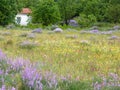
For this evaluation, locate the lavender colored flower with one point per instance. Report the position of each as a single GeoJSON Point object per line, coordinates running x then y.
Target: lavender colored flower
{"type": "Point", "coordinates": [1, 72]}
{"type": "Point", "coordinates": [30, 75]}
{"type": "Point", "coordinates": [2, 55]}
{"type": "Point", "coordinates": [13, 88]}
{"type": "Point", "coordinates": [51, 79]}
{"type": "Point", "coordinates": [3, 87]}
{"type": "Point", "coordinates": [19, 64]}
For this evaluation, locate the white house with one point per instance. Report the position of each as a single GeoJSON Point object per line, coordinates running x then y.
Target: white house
{"type": "Point", "coordinates": [23, 18]}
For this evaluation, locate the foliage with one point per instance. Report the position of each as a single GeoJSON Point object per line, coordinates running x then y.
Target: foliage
{"type": "Point", "coordinates": [67, 9]}
{"type": "Point", "coordinates": [85, 21]}
{"type": "Point", "coordinates": [46, 12]}
{"type": "Point", "coordinates": [113, 13]}
{"type": "Point", "coordinates": [8, 10]}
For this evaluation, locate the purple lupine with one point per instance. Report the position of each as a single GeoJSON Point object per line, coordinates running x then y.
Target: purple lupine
{"type": "Point", "coordinates": [1, 72]}
{"type": "Point", "coordinates": [30, 75]}
{"type": "Point", "coordinates": [19, 64]}
{"type": "Point", "coordinates": [3, 87]}
{"type": "Point", "coordinates": [51, 79]}
{"type": "Point", "coordinates": [2, 55]}
{"type": "Point", "coordinates": [13, 88]}
{"type": "Point", "coordinates": [39, 85]}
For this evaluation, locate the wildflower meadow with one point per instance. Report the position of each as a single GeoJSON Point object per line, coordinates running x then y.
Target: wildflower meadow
{"type": "Point", "coordinates": [70, 60]}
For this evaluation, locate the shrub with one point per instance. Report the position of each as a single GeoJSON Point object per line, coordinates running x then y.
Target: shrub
{"type": "Point", "coordinates": [46, 12]}
{"type": "Point", "coordinates": [113, 13]}
{"type": "Point", "coordinates": [85, 21]}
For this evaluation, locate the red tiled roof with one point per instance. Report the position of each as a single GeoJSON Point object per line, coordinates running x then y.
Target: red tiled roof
{"type": "Point", "coordinates": [26, 11]}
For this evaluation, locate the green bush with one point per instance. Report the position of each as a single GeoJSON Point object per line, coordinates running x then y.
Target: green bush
{"type": "Point", "coordinates": [47, 12]}
{"type": "Point", "coordinates": [113, 13]}
{"type": "Point", "coordinates": [86, 20]}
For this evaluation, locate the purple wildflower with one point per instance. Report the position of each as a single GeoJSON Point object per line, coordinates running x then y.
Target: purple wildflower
{"type": "Point", "coordinates": [13, 88]}
{"type": "Point", "coordinates": [1, 72]}
{"type": "Point", "coordinates": [2, 55]}
{"type": "Point", "coordinates": [3, 87]}
{"type": "Point", "coordinates": [30, 75]}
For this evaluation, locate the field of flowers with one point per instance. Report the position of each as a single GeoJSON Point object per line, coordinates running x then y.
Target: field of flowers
{"type": "Point", "coordinates": [71, 60]}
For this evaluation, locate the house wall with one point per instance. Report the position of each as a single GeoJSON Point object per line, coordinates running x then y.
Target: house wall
{"type": "Point", "coordinates": [22, 19]}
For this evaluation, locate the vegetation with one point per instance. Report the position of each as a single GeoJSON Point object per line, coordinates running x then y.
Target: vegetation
{"type": "Point", "coordinates": [83, 56]}
{"type": "Point", "coordinates": [49, 12]}
{"type": "Point", "coordinates": [8, 10]}
{"type": "Point", "coordinates": [46, 12]}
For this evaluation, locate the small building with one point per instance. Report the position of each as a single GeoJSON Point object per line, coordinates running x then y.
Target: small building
{"type": "Point", "coordinates": [23, 18]}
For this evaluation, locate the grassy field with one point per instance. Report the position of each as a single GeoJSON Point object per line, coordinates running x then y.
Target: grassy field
{"type": "Point", "coordinates": [80, 56]}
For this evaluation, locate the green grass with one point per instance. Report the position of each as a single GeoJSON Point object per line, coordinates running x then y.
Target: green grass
{"type": "Point", "coordinates": [67, 56]}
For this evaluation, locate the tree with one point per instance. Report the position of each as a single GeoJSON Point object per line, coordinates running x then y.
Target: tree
{"type": "Point", "coordinates": [113, 13]}
{"type": "Point", "coordinates": [28, 3]}
{"type": "Point", "coordinates": [8, 10]}
{"type": "Point", "coordinates": [67, 9]}
{"type": "Point", "coordinates": [46, 12]}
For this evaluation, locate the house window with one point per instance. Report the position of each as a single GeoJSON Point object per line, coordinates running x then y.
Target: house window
{"type": "Point", "coordinates": [18, 20]}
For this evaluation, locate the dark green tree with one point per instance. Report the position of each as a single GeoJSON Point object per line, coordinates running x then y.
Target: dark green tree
{"type": "Point", "coordinates": [113, 13]}
{"type": "Point", "coordinates": [46, 12]}
{"type": "Point", "coordinates": [8, 10]}
{"type": "Point", "coordinates": [67, 9]}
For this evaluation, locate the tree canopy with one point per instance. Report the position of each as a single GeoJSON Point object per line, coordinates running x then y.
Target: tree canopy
{"type": "Point", "coordinates": [52, 11]}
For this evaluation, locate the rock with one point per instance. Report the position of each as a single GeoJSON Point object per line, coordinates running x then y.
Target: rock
{"type": "Point", "coordinates": [85, 42]}
{"type": "Point", "coordinates": [27, 44]}
{"type": "Point", "coordinates": [107, 32]}
{"type": "Point", "coordinates": [11, 26]}
{"type": "Point", "coordinates": [6, 33]}
{"type": "Point", "coordinates": [38, 30]}
{"type": "Point", "coordinates": [113, 38]}
{"type": "Point", "coordinates": [72, 36]}
{"type": "Point", "coordinates": [73, 23]}
{"type": "Point", "coordinates": [58, 30]}
{"type": "Point", "coordinates": [31, 35]}
{"type": "Point", "coordinates": [116, 27]}
{"type": "Point", "coordinates": [95, 31]}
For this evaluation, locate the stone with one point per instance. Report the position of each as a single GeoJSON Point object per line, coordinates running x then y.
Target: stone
{"type": "Point", "coordinates": [38, 30]}
{"type": "Point", "coordinates": [116, 27]}
{"type": "Point", "coordinates": [31, 35]}
{"type": "Point", "coordinates": [113, 38]}
{"type": "Point", "coordinates": [73, 23]}
{"type": "Point", "coordinates": [72, 36]}
{"type": "Point", "coordinates": [11, 26]}
{"type": "Point", "coordinates": [6, 33]}
{"type": "Point", "coordinates": [58, 30]}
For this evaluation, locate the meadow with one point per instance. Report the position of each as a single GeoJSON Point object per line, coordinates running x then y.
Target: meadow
{"type": "Point", "coordinates": [83, 56]}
